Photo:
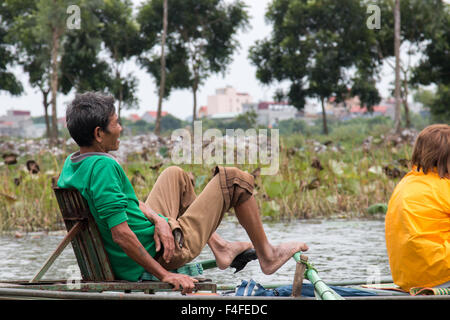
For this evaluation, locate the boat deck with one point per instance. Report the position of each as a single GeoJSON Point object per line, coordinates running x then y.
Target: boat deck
{"type": "Point", "coordinates": [151, 290]}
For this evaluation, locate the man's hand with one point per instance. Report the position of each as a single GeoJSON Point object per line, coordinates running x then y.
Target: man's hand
{"type": "Point", "coordinates": [163, 235]}
{"type": "Point", "coordinates": [127, 240]}
{"type": "Point", "coordinates": [178, 279]}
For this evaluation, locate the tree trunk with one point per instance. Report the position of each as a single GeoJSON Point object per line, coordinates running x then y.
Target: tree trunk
{"type": "Point", "coordinates": [397, 119]}
{"type": "Point", "coordinates": [163, 70]}
{"type": "Point", "coordinates": [119, 107]}
{"type": "Point", "coordinates": [54, 82]}
{"type": "Point", "coordinates": [46, 104]}
{"type": "Point", "coordinates": [118, 81]}
{"type": "Point", "coordinates": [194, 91]}
{"type": "Point", "coordinates": [405, 102]}
{"type": "Point", "coordinates": [324, 117]}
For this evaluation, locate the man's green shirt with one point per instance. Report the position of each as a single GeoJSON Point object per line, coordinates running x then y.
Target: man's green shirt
{"type": "Point", "coordinates": [112, 200]}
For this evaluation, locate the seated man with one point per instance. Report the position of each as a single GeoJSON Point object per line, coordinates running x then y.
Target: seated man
{"type": "Point", "coordinates": [418, 218]}
{"type": "Point", "coordinates": [134, 232]}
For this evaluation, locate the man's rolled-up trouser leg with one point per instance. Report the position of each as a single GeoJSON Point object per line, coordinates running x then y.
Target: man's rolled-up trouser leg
{"type": "Point", "coordinates": [236, 185]}
{"type": "Point", "coordinates": [228, 188]}
{"type": "Point", "coordinates": [172, 193]}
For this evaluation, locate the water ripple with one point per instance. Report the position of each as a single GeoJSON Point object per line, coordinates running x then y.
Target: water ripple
{"type": "Point", "coordinates": [340, 250]}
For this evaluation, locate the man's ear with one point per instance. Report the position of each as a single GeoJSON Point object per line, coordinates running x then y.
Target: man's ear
{"type": "Point", "coordinates": [98, 134]}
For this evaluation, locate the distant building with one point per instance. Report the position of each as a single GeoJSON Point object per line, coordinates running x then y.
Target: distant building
{"type": "Point", "coordinates": [37, 130]}
{"type": "Point", "coordinates": [203, 112]}
{"type": "Point", "coordinates": [378, 110]}
{"type": "Point", "coordinates": [134, 117]}
{"type": "Point", "coordinates": [18, 115]}
{"type": "Point", "coordinates": [390, 105]}
{"type": "Point", "coordinates": [342, 110]}
{"type": "Point", "coordinates": [224, 116]}
{"type": "Point", "coordinates": [351, 108]}
{"type": "Point", "coordinates": [16, 123]}
{"type": "Point", "coordinates": [270, 113]}
{"type": "Point", "coordinates": [150, 116]}
{"type": "Point", "coordinates": [227, 100]}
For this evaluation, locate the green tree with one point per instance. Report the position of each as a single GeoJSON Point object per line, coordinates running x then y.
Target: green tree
{"type": "Point", "coordinates": [40, 28]}
{"type": "Point", "coordinates": [434, 67]}
{"type": "Point", "coordinates": [120, 35]}
{"type": "Point", "coordinates": [81, 68]}
{"type": "Point", "coordinates": [313, 46]}
{"type": "Point", "coordinates": [162, 82]}
{"type": "Point", "coordinates": [425, 97]}
{"type": "Point", "coordinates": [56, 53]}
{"type": "Point", "coordinates": [421, 21]}
{"type": "Point", "coordinates": [50, 28]}
{"type": "Point", "coordinates": [95, 55]}
{"type": "Point", "coordinates": [440, 108]}
{"type": "Point", "coordinates": [8, 81]}
{"type": "Point", "coordinates": [170, 123]}
{"type": "Point", "coordinates": [201, 39]}
{"type": "Point", "coordinates": [33, 55]}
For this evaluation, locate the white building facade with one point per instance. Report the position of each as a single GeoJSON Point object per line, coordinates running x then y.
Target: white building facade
{"type": "Point", "coordinates": [270, 113]}
{"type": "Point", "coordinates": [18, 123]}
{"type": "Point", "coordinates": [227, 100]}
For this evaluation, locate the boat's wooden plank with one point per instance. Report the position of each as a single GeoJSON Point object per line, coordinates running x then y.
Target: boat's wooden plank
{"type": "Point", "coordinates": [50, 294]}
{"type": "Point", "coordinates": [9, 285]}
{"type": "Point", "coordinates": [108, 286]}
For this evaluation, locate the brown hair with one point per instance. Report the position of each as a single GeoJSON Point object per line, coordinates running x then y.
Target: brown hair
{"type": "Point", "coordinates": [432, 150]}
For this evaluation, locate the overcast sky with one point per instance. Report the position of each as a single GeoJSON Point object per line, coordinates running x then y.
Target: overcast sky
{"type": "Point", "coordinates": [240, 75]}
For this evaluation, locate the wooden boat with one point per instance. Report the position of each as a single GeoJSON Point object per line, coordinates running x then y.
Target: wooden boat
{"type": "Point", "coordinates": [205, 289]}
{"type": "Point", "coordinates": [98, 282]}
{"type": "Point", "coordinates": [64, 290]}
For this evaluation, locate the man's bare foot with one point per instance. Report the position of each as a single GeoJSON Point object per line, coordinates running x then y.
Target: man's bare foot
{"type": "Point", "coordinates": [226, 252]}
{"type": "Point", "coordinates": [272, 261]}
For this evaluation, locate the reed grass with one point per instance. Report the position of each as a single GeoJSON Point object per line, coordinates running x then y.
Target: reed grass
{"type": "Point", "coordinates": [351, 180]}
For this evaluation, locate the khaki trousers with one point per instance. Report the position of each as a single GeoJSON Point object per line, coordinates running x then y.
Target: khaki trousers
{"type": "Point", "coordinates": [199, 216]}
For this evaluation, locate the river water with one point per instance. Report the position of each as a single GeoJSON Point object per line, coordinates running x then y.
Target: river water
{"type": "Point", "coordinates": [339, 249]}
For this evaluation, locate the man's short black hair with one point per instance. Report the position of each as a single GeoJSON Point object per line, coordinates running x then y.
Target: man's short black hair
{"type": "Point", "coordinates": [86, 112]}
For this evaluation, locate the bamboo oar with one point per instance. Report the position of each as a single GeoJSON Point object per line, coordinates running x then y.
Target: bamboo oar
{"type": "Point", "coordinates": [208, 264]}
{"type": "Point", "coordinates": [320, 287]}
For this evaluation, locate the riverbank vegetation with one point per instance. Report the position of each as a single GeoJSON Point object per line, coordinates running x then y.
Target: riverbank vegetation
{"type": "Point", "coordinates": [320, 176]}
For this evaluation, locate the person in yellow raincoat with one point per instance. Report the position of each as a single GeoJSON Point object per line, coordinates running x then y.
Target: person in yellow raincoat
{"type": "Point", "coordinates": [417, 225]}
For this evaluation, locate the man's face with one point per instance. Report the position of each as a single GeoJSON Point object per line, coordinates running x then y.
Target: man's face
{"type": "Point", "coordinates": [111, 134]}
